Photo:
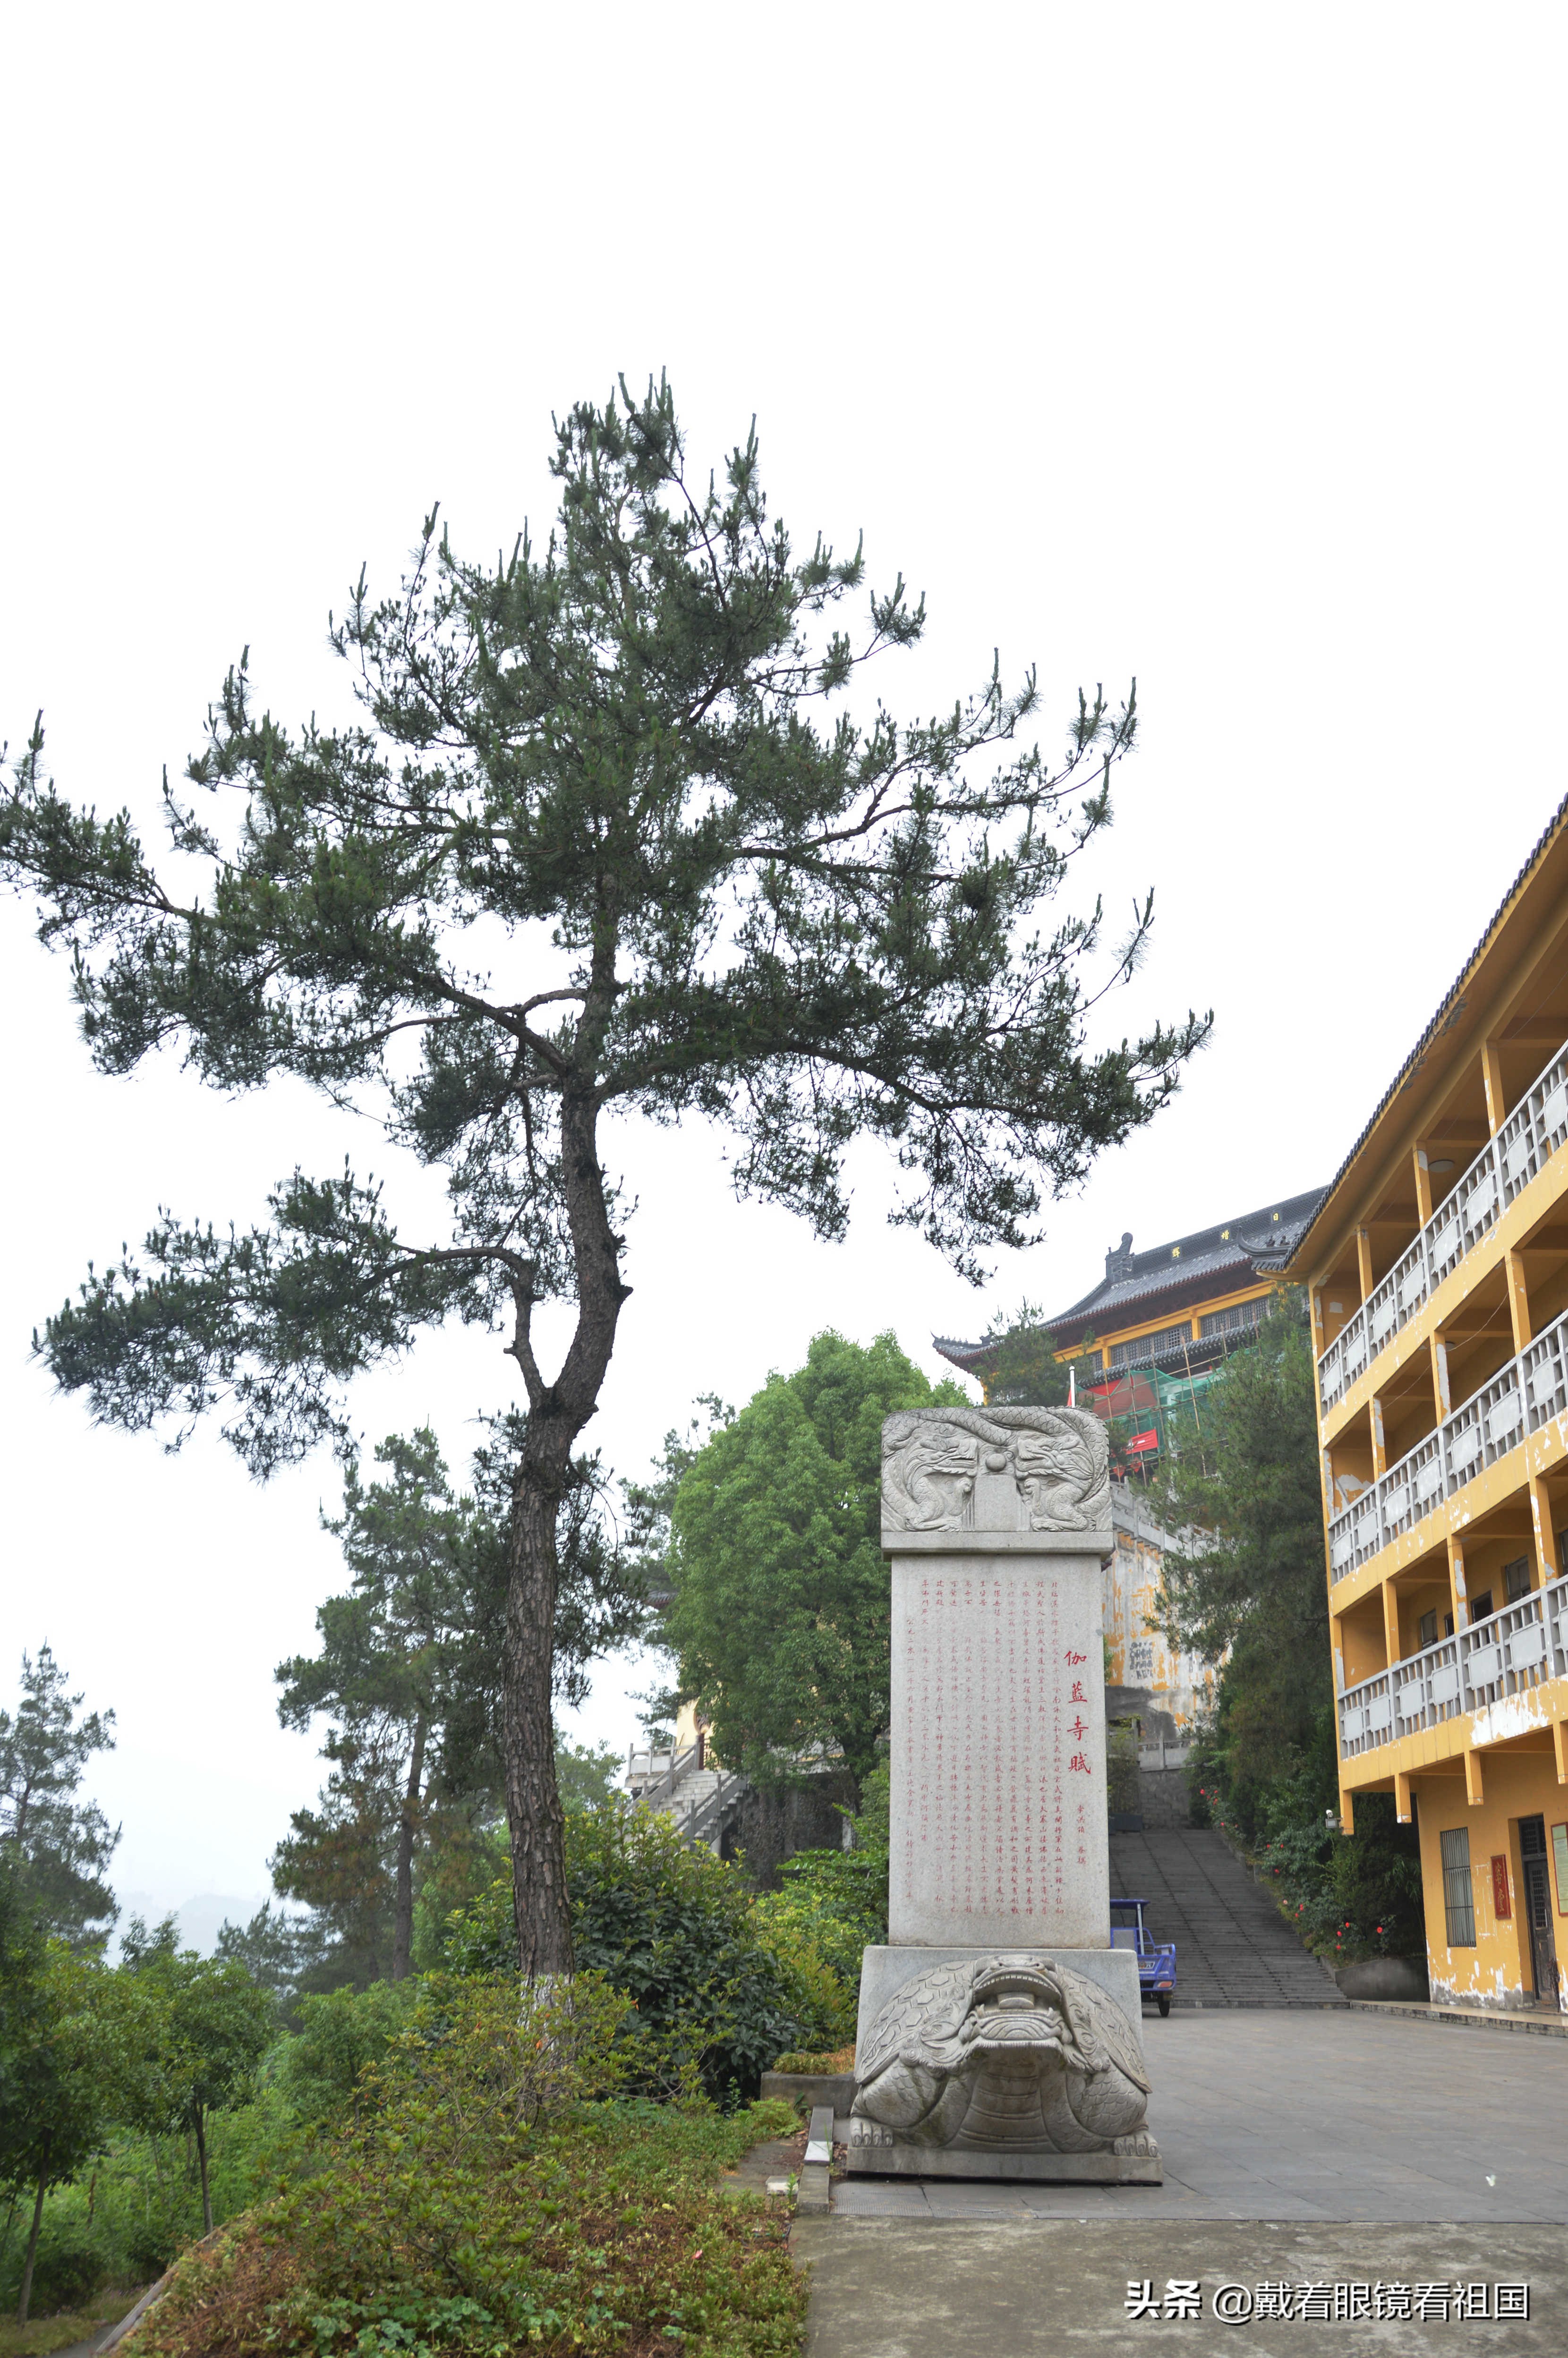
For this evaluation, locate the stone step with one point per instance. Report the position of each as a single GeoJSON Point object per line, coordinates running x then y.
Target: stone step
{"type": "Point", "coordinates": [1233, 1946]}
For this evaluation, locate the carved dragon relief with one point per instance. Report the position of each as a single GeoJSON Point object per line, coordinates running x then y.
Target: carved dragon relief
{"type": "Point", "coordinates": [1028, 1469]}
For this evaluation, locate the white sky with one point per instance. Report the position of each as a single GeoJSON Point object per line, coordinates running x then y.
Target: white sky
{"type": "Point", "coordinates": [1219, 344]}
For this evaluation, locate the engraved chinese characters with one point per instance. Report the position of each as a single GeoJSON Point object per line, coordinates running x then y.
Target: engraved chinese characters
{"type": "Point", "coordinates": [1022, 1469]}
{"type": "Point", "coordinates": [999, 1752]}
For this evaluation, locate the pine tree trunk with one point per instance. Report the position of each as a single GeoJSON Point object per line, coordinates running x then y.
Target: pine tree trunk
{"type": "Point", "coordinates": [556, 1414]}
{"type": "Point", "coordinates": [533, 1804]}
{"type": "Point", "coordinates": [27, 2292]}
{"type": "Point", "coordinates": [402, 1921]}
{"type": "Point", "coordinates": [201, 2162]}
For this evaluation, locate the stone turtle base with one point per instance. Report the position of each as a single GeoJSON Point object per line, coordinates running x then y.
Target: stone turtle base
{"type": "Point", "coordinates": [880, 2153]}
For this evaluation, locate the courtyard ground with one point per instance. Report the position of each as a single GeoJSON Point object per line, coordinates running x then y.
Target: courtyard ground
{"type": "Point", "coordinates": [1300, 2144]}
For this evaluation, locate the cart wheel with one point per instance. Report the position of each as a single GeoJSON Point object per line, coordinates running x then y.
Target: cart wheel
{"type": "Point", "coordinates": [1165, 2006]}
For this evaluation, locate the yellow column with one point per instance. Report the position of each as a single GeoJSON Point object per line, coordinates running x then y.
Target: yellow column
{"type": "Point", "coordinates": [1364, 1260]}
{"type": "Point", "coordinates": [1380, 1453]}
{"type": "Point", "coordinates": [1475, 1790]}
{"type": "Point", "coordinates": [1401, 1797]}
{"type": "Point", "coordinates": [1540, 1516]}
{"type": "Point", "coordinates": [1492, 1075]}
{"type": "Point", "coordinates": [1422, 1185]}
{"type": "Point", "coordinates": [1439, 1344]}
{"type": "Point", "coordinates": [1391, 1623]}
{"type": "Point", "coordinates": [1457, 1582]}
{"type": "Point", "coordinates": [1346, 1812]}
{"type": "Point", "coordinates": [1518, 1299]}
{"type": "Point", "coordinates": [1560, 1744]}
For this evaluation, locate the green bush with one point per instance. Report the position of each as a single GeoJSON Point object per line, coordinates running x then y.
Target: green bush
{"type": "Point", "coordinates": [490, 2192]}
{"type": "Point", "coordinates": [72, 2261]}
{"type": "Point", "coordinates": [669, 1926]}
{"type": "Point", "coordinates": [852, 1885]}
{"type": "Point", "coordinates": [340, 2033]}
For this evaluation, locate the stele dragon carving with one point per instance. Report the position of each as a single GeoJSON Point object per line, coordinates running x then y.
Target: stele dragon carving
{"type": "Point", "coordinates": [933, 1458]}
{"type": "Point", "coordinates": [1007, 2053]}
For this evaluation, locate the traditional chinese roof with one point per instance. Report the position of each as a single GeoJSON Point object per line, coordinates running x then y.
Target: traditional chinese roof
{"type": "Point", "coordinates": [1140, 1286]}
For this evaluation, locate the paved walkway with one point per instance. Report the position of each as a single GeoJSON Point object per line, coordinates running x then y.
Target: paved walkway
{"type": "Point", "coordinates": [1048, 2288]}
{"type": "Point", "coordinates": [1233, 1946]}
{"type": "Point", "coordinates": [1298, 2114]}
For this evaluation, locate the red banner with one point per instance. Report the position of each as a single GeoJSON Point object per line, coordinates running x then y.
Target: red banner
{"type": "Point", "coordinates": [1502, 1906]}
{"type": "Point", "coordinates": [1150, 1440]}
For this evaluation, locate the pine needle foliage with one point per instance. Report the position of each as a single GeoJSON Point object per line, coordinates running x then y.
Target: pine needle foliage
{"type": "Point", "coordinates": [609, 839]}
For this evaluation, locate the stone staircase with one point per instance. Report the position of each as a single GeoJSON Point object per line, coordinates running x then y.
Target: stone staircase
{"type": "Point", "coordinates": [1233, 1946]}
{"type": "Point", "coordinates": [703, 1802]}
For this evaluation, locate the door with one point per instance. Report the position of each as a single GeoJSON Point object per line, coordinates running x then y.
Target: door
{"type": "Point", "coordinates": [1538, 1909]}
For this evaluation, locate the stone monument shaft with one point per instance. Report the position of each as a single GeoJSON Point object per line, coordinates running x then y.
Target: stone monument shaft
{"type": "Point", "coordinates": [1000, 2031]}
{"type": "Point", "coordinates": [999, 1809]}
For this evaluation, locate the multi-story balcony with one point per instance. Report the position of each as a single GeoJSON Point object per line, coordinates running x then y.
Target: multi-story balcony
{"type": "Point", "coordinates": [1495, 1664]}
{"type": "Point", "coordinates": [1523, 1398]}
{"type": "Point", "coordinates": [1533, 1133]}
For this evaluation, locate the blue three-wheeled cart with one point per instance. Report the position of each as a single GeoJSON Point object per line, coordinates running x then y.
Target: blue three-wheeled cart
{"type": "Point", "coordinates": [1156, 1959]}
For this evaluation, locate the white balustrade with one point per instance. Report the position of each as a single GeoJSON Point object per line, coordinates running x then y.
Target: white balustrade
{"type": "Point", "coordinates": [1506, 1654]}
{"type": "Point", "coordinates": [1523, 1395]}
{"type": "Point", "coordinates": [1531, 1135]}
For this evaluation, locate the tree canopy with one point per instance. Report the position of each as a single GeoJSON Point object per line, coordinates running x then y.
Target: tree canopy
{"type": "Point", "coordinates": [1245, 1485]}
{"type": "Point", "coordinates": [54, 1848]}
{"type": "Point", "coordinates": [616, 833]}
{"type": "Point", "coordinates": [779, 1617]}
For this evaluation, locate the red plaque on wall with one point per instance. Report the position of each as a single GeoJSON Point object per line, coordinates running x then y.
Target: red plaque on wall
{"type": "Point", "coordinates": [1502, 1905]}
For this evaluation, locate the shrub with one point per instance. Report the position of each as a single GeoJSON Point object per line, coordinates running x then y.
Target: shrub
{"type": "Point", "coordinates": [672, 1929]}
{"type": "Point", "coordinates": [340, 2033]}
{"type": "Point", "coordinates": [72, 2261]}
{"type": "Point", "coordinates": [464, 2212]}
{"type": "Point", "coordinates": [819, 1956]}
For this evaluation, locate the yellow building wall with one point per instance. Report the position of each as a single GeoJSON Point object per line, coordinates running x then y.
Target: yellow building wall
{"type": "Point", "coordinates": [1496, 1972]}
{"type": "Point", "coordinates": [1182, 1684]}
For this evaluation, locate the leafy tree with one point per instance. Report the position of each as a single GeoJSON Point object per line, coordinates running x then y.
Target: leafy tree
{"type": "Point", "coordinates": [1021, 1368]}
{"type": "Point", "coordinates": [55, 1847]}
{"type": "Point", "coordinates": [207, 2028]}
{"type": "Point", "coordinates": [409, 1673]}
{"type": "Point", "coordinates": [389, 1671]}
{"type": "Point", "coordinates": [587, 1775]}
{"type": "Point", "coordinates": [57, 2081]}
{"type": "Point", "coordinates": [607, 843]}
{"type": "Point", "coordinates": [277, 1948]}
{"type": "Point", "coordinates": [1249, 1587]}
{"type": "Point", "coordinates": [779, 1617]}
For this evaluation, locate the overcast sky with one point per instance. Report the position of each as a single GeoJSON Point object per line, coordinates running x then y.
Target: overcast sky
{"type": "Point", "coordinates": [1219, 345]}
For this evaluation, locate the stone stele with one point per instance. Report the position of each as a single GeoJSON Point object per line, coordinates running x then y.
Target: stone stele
{"type": "Point", "coordinates": [1000, 2033]}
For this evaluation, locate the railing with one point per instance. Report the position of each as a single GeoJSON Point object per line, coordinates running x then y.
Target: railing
{"type": "Point", "coordinates": [1531, 1135]}
{"type": "Point", "coordinates": [705, 1821]}
{"type": "Point", "coordinates": [681, 1763]}
{"type": "Point", "coordinates": [1520, 1398]}
{"type": "Point", "coordinates": [1506, 1654]}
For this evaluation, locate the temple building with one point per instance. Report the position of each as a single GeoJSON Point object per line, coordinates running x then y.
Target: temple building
{"type": "Point", "coordinates": [1438, 1265]}
{"type": "Point", "coordinates": [1152, 1336]}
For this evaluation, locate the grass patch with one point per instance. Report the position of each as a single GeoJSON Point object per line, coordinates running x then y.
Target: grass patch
{"type": "Point", "coordinates": [41, 2335]}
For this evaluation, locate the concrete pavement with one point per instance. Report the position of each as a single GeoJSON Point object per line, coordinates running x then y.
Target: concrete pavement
{"type": "Point", "coordinates": [1050, 2288]}
{"type": "Point", "coordinates": [1307, 2114]}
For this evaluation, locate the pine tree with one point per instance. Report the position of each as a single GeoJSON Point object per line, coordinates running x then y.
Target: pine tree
{"type": "Point", "coordinates": [608, 843]}
{"type": "Point", "coordinates": [55, 1847]}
